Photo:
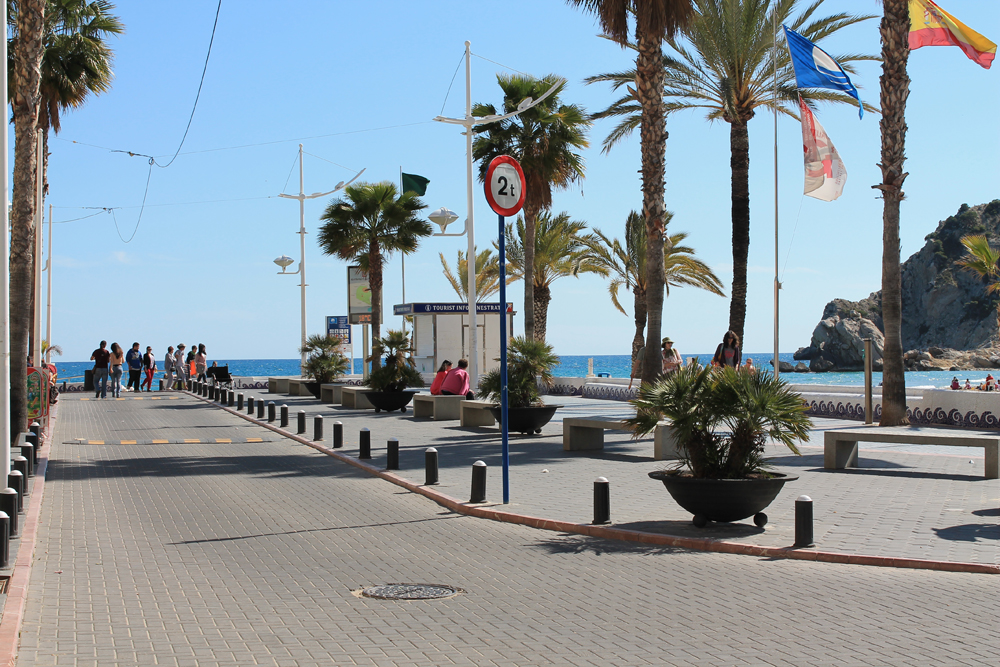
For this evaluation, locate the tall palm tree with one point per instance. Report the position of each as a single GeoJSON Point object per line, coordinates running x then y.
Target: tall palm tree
{"type": "Point", "coordinates": [368, 224]}
{"type": "Point", "coordinates": [725, 65]}
{"type": "Point", "coordinates": [487, 274]}
{"type": "Point", "coordinates": [544, 139]}
{"type": "Point", "coordinates": [895, 88]}
{"type": "Point", "coordinates": [983, 261]}
{"type": "Point", "coordinates": [654, 20]}
{"type": "Point", "coordinates": [559, 252]}
{"type": "Point", "coordinates": [626, 265]}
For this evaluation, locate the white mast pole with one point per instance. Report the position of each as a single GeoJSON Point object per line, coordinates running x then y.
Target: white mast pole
{"type": "Point", "coordinates": [777, 284]}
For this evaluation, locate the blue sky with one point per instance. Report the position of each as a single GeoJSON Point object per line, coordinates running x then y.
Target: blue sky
{"type": "Point", "coordinates": [358, 85]}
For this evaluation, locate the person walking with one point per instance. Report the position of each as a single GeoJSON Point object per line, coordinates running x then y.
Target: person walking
{"type": "Point", "coordinates": [133, 359]}
{"type": "Point", "coordinates": [149, 368]}
{"type": "Point", "coordinates": [670, 357]}
{"type": "Point", "coordinates": [179, 366]}
{"type": "Point", "coordinates": [201, 362]}
{"type": "Point", "coordinates": [117, 361]}
{"type": "Point", "coordinates": [168, 369]}
{"type": "Point", "coordinates": [456, 383]}
{"type": "Point", "coordinates": [728, 353]}
{"type": "Point", "coordinates": [100, 358]}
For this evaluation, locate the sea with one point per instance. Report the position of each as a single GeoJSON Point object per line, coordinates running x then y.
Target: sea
{"type": "Point", "coordinates": [614, 365]}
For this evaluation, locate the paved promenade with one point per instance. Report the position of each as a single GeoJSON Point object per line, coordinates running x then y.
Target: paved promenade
{"type": "Point", "coordinates": [190, 536]}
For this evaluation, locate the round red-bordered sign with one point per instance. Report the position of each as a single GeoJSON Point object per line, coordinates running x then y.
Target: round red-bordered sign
{"type": "Point", "coordinates": [505, 185]}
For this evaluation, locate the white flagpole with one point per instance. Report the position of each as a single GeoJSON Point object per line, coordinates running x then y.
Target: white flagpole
{"type": "Point", "coordinates": [777, 285]}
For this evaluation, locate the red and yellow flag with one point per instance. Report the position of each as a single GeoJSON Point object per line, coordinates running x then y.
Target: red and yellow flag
{"type": "Point", "coordinates": [932, 26]}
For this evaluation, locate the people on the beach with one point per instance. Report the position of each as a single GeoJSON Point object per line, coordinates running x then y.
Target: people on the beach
{"type": "Point", "coordinates": [728, 352]}
{"type": "Point", "coordinates": [133, 359]}
{"type": "Point", "coordinates": [955, 384]}
{"type": "Point", "coordinates": [149, 368]}
{"type": "Point", "coordinates": [670, 357]}
{"type": "Point", "coordinates": [201, 362]}
{"type": "Point", "coordinates": [116, 362]}
{"type": "Point", "coordinates": [191, 368]}
{"type": "Point", "coordinates": [180, 369]}
{"type": "Point", "coordinates": [456, 383]}
{"type": "Point", "coordinates": [439, 377]}
{"type": "Point", "coordinates": [968, 385]}
{"type": "Point", "coordinates": [168, 369]}
{"type": "Point", "coordinates": [100, 357]}
{"type": "Point", "coordinates": [990, 385]}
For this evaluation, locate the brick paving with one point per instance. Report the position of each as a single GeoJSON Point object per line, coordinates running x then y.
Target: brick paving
{"type": "Point", "coordinates": [249, 553]}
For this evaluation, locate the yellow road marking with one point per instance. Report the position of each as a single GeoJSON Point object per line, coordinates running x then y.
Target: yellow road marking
{"type": "Point", "coordinates": [223, 440]}
{"type": "Point", "coordinates": [191, 441]}
{"type": "Point", "coordinates": [137, 398]}
{"type": "Point", "coordinates": [174, 398]}
{"type": "Point", "coordinates": [95, 442]}
{"type": "Point", "coordinates": [155, 399]}
{"type": "Point", "coordinates": [128, 442]}
{"type": "Point", "coordinates": [161, 442]}
{"type": "Point", "coordinates": [255, 440]}
{"type": "Point", "coordinates": [84, 399]}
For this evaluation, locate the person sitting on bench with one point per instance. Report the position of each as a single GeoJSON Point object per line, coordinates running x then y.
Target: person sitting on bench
{"type": "Point", "coordinates": [456, 383]}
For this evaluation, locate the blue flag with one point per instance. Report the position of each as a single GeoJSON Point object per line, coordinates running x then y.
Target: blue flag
{"type": "Point", "coordinates": [814, 68]}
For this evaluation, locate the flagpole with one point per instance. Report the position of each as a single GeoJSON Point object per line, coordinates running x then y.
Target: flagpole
{"type": "Point", "coordinates": [402, 255]}
{"type": "Point", "coordinates": [777, 285]}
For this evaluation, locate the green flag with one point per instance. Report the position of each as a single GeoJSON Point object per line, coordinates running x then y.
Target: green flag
{"type": "Point", "coordinates": [414, 183]}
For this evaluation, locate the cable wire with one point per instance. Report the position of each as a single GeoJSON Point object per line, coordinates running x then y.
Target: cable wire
{"type": "Point", "coordinates": [788, 255]}
{"type": "Point", "coordinates": [325, 160]}
{"type": "Point", "coordinates": [141, 209]}
{"type": "Point", "coordinates": [452, 83]}
{"type": "Point", "coordinates": [500, 64]}
{"type": "Point", "coordinates": [290, 170]}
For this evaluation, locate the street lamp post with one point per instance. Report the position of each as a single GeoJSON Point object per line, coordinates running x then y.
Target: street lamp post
{"type": "Point", "coordinates": [469, 122]}
{"type": "Point", "coordinates": [302, 197]}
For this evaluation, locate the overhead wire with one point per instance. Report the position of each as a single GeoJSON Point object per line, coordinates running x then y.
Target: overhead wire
{"type": "Point", "coordinates": [500, 64]}
{"type": "Point", "coordinates": [452, 82]}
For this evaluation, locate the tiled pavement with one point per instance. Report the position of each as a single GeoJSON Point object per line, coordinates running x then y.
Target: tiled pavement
{"type": "Point", "coordinates": [244, 554]}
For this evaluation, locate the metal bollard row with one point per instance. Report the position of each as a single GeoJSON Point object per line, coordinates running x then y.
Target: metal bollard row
{"type": "Point", "coordinates": [392, 454]}
{"type": "Point", "coordinates": [365, 444]}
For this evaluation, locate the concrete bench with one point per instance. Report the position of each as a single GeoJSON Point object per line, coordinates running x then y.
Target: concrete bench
{"type": "Point", "coordinates": [298, 388]}
{"type": "Point", "coordinates": [587, 433]}
{"type": "Point", "coordinates": [439, 408]}
{"type": "Point", "coordinates": [353, 397]}
{"type": "Point", "coordinates": [277, 385]}
{"type": "Point", "coordinates": [330, 393]}
{"type": "Point", "coordinates": [476, 413]}
{"type": "Point", "coordinates": [840, 447]}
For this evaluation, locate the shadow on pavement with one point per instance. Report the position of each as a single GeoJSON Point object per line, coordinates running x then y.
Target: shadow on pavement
{"type": "Point", "coordinates": [291, 465]}
{"type": "Point", "coordinates": [714, 530]}
{"type": "Point", "coordinates": [567, 543]}
{"type": "Point", "coordinates": [970, 532]}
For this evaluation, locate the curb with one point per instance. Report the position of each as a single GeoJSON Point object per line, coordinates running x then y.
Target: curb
{"type": "Point", "coordinates": [609, 533]}
{"type": "Point", "coordinates": [17, 590]}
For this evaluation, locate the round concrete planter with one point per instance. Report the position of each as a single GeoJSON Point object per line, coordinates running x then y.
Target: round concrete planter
{"type": "Point", "coordinates": [526, 420]}
{"type": "Point", "coordinates": [723, 499]}
{"type": "Point", "coordinates": [390, 401]}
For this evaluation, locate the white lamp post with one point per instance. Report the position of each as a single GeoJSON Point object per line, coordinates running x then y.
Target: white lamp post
{"type": "Point", "coordinates": [284, 261]}
{"type": "Point", "coordinates": [468, 123]}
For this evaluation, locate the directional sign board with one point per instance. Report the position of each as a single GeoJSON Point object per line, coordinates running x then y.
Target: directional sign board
{"type": "Point", "coordinates": [505, 185]}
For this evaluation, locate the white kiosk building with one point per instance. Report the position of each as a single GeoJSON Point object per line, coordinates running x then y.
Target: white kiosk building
{"type": "Point", "coordinates": [441, 331]}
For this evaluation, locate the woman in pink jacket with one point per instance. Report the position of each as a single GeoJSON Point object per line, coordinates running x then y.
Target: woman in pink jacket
{"type": "Point", "coordinates": [456, 383]}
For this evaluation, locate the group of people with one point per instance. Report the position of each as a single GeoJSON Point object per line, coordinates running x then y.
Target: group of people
{"type": "Point", "coordinates": [989, 385]}
{"type": "Point", "coordinates": [452, 381]}
{"type": "Point", "coordinates": [110, 364]}
{"type": "Point", "coordinates": [728, 353]}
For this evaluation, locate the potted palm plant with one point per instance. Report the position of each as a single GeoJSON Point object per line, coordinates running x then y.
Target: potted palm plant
{"type": "Point", "coordinates": [324, 362]}
{"type": "Point", "coordinates": [723, 418]}
{"type": "Point", "coordinates": [389, 382]}
{"type": "Point", "coordinates": [529, 363]}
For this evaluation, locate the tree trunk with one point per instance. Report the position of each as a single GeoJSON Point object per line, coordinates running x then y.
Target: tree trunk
{"type": "Point", "coordinates": [542, 297]}
{"type": "Point", "coordinates": [895, 88]}
{"type": "Point", "coordinates": [739, 162]}
{"type": "Point", "coordinates": [639, 340]}
{"type": "Point", "coordinates": [375, 284]}
{"type": "Point", "coordinates": [27, 74]}
{"type": "Point", "coordinates": [530, 331]}
{"type": "Point", "coordinates": [653, 145]}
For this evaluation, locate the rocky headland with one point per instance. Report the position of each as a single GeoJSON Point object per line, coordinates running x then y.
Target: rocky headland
{"type": "Point", "coordinates": [949, 318]}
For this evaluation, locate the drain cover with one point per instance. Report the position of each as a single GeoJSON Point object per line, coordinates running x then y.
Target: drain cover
{"type": "Point", "coordinates": [411, 591]}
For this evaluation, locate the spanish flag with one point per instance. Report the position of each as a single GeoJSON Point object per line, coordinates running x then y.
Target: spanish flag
{"type": "Point", "coordinates": [932, 26]}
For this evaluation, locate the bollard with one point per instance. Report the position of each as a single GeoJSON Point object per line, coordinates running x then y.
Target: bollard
{"type": "Point", "coordinates": [161, 384]}
{"type": "Point", "coordinates": [250, 405]}
{"type": "Point", "coordinates": [301, 422]}
{"type": "Point", "coordinates": [338, 435]}
{"type": "Point", "coordinates": [28, 452]}
{"type": "Point", "coordinates": [239, 401]}
{"type": "Point", "coordinates": [32, 439]}
{"type": "Point", "coordinates": [392, 454]}
{"type": "Point", "coordinates": [216, 393]}
{"type": "Point", "coordinates": [318, 428]}
{"type": "Point", "coordinates": [270, 411]}
{"type": "Point", "coordinates": [602, 501]}
{"type": "Point", "coordinates": [231, 395]}
{"type": "Point", "coordinates": [365, 446]}
{"type": "Point", "coordinates": [223, 396]}
{"type": "Point", "coordinates": [260, 409]}
{"type": "Point", "coordinates": [21, 464]}
{"type": "Point", "coordinates": [8, 505]}
{"type": "Point", "coordinates": [803, 522]}
{"type": "Point", "coordinates": [36, 428]}
{"type": "Point", "coordinates": [15, 480]}
{"type": "Point", "coordinates": [430, 466]}
{"type": "Point", "coordinates": [4, 539]}
{"type": "Point", "coordinates": [478, 482]}
{"type": "Point", "coordinates": [284, 416]}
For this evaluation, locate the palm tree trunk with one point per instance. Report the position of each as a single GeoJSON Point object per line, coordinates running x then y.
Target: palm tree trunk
{"type": "Point", "coordinates": [653, 143]}
{"type": "Point", "coordinates": [543, 295]}
{"type": "Point", "coordinates": [895, 88]}
{"type": "Point", "coordinates": [739, 162]}
{"type": "Point", "coordinates": [375, 284]}
{"type": "Point", "coordinates": [27, 74]}
{"type": "Point", "coordinates": [639, 340]}
{"type": "Point", "coordinates": [530, 331]}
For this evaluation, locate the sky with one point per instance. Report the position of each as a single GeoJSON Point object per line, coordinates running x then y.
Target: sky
{"type": "Point", "coordinates": [358, 84]}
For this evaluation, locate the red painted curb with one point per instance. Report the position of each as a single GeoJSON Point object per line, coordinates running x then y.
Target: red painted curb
{"type": "Point", "coordinates": [610, 533]}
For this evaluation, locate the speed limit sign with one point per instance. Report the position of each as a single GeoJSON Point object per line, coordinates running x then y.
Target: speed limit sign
{"type": "Point", "coordinates": [505, 185]}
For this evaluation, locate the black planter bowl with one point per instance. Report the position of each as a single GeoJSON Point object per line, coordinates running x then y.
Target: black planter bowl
{"type": "Point", "coordinates": [723, 499]}
{"type": "Point", "coordinates": [390, 401]}
{"type": "Point", "coordinates": [313, 388]}
{"type": "Point", "coordinates": [526, 420]}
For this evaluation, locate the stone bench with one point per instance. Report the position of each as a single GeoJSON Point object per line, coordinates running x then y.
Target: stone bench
{"type": "Point", "coordinates": [476, 413]}
{"type": "Point", "coordinates": [587, 433]}
{"type": "Point", "coordinates": [840, 447]}
{"type": "Point", "coordinates": [330, 393]}
{"type": "Point", "coordinates": [353, 397]}
{"type": "Point", "coordinates": [439, 407]}
{"type": "Point", "coordinates": [298, 388]}
{"type": "Point", "coordinates": [277, 385]}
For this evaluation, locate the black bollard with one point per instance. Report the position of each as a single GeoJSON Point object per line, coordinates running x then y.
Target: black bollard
{"type": "Point", "coordinates": [4, 539]}
{"type": "Point", "coordinates": [365, 445]}
{"type": "Point", "coordinates": [270, 411]}
{"type": "Point", "coordinates": [392, 454]}
{"type": "Point", "coordinates": [231, 398]}
{"type": "Point", "coordinates": [284, 416]}
{"type": "Point", "coordinates": [430, 466]}
{"type": "Point", "coordinates": [602, 501]}
{"type": "Point", "coordinates": [36, 429]}
{"type": "Point", "coordinates": [338, 435]}
{"type": "Point", "coordinates": [803, 522]}
{"type": "Point", "coordinates": [250, 405]}
{"type": "Point", "coordinates": [28, 452]}
{"type": "Point", "coordinates": [318, 428]}
{"type": "Point", "coordinates": [239, 401]}
{"type": "Point", "coordinates": [260, 409]}
{"type": "Point", "coordinates": [15, 480]}
{"type": "Point", "coordinates": [32, 440]}
{"type": "Point", "coordinates": [161, 384]}
{"type": "Point", "coordinates": [8, 505]}
{"type": "Point", "coordinates": [21, 464]}
{"type": "Point", "coordinates": [478, 482]}
{"type": "Point", "coordinates": [301, 422]}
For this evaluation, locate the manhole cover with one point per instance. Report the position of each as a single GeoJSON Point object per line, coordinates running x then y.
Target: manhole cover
{"type": "Point", "coordinates": [411, 591]}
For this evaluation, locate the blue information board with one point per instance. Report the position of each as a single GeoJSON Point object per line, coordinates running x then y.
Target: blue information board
{"type": "Point", "coordinates": [337, 325]}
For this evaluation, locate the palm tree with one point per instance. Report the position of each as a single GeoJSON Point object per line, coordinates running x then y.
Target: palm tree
{"type": "Point", "coordinates": [487, 274]}
{"type": "Point", "coordinates": [895, 87]}
{"type": "Point", "coordinates": [726, 66]}
{"type": "Point", "coordinates": [654, 20]}
{"type": "Point", "coordinates": [983, 261]}
{"type": "Point", "coordinates": [543, 139]}
{"type": "Point", "coordinates": [559, 252]}
{"type": "Point", "coordinates": [626, 265]}
{"type": "Point", "coordinates": [368, 224]}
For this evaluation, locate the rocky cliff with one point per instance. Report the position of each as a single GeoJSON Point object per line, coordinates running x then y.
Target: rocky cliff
{"type": "Point", "coordinates": [943, 306]}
